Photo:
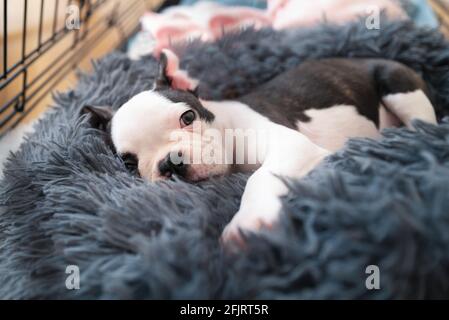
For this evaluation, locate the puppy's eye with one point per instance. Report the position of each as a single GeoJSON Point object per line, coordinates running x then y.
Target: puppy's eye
{"type": "Point", "coordinates": [187, 118]}
{"type": "Point", "coordinates": [131, 162]}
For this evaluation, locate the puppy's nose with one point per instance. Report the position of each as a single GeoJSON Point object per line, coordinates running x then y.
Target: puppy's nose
{"type": "Point", "coordinates": [173, 163]}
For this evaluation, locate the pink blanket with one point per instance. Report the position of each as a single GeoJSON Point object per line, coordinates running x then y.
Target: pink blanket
{"type": "Point", "coordinates": [296, 13]}
{"type": "Point", "coordinates": [208, 20]}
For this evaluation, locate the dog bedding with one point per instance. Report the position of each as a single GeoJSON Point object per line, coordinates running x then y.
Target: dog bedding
{"type": "Point", "coordinates": [66, 199]}
{"type": "Point", "coordinates": [209, 20]}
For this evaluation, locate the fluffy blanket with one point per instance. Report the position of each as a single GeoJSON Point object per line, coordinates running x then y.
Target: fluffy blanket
{"type": "Point", "coordinates": [67, 200]}
{"type": "Point", "coordinates": [209, 20]}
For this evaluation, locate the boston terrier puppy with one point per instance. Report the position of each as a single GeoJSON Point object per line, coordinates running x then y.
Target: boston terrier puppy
{"type": "Point", "coordinates": [284, 128]}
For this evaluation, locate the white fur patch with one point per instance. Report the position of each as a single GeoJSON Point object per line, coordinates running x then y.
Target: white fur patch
{"type": "Point", "coordinates": [410, 106]}
{"type": "Point", "coordinates": [387, 119]}
{"type": "Point", "coordinates": [142, 126]}
{"type": "Point", "coordinates": [330, 128]}
{"type": "Point", "coordinates": [289, 154]}
{"type": "Point", "coordinates": [139, 123]}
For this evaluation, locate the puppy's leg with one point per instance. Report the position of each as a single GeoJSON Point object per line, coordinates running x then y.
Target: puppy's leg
{"type": "Point", "coordinates": [404, 93]}
{"type": "Point", "coordinates": [291, 155]}
{"type": "Point", "coordinates": [260, 204]}
{"type": "Point", "coordinates": [409, 106]}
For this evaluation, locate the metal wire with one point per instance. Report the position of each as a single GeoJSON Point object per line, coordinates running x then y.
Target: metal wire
{"type": "Point", "coordinates": [5, 38]}
{"type": "Point", "coordinates": [33, 90]}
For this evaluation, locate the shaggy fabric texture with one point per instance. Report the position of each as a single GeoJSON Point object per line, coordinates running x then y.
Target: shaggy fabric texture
{"type": "Point", "coordinates": [67, 200]}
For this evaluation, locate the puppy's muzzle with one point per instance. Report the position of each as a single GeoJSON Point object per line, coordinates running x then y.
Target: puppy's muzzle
{"type": "Point", "coordinates": [172, 164]}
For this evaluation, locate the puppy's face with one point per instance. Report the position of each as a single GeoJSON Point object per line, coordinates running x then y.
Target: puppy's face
{"type": "Point", "coordinates": [163, 132]}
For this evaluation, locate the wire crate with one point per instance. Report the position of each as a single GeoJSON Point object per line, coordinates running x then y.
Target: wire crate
{"type": "Point", "coordinates": [44, 41]}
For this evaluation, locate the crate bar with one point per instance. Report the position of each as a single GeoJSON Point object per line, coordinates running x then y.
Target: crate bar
{"type": "Point", "coordinates": [24, 31]}
{"type": "Point", "coordinates": [76, 36]}
{"type": "Point", "coordinates": [41, 22]}
{"type": "Point", "coordinates": [55, 18]}
{"type": "Point", "coordinates": [86, 21]}
{"type": "Point", "coordinates": [20, 107]}
{"type": "Point", "coordinates": [5, 38]}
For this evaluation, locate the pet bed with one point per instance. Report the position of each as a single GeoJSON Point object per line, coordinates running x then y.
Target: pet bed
{"type": "Point", "coordinates": [67, 200]}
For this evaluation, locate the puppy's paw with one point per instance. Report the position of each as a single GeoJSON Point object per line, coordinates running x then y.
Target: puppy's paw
{"type": "Point", "coordinates": [247, 222]}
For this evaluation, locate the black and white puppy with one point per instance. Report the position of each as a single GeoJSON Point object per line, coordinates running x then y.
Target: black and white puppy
{"type": "Point", "coordinates": [287, 125]}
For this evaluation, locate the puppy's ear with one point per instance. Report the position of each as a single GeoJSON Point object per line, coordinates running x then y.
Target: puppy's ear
{"type": "Point", "coordinates": [162, 81]}
{"type": "Point", "coordinates": [100, 117]}
{"type": "Point", "coordinates": [169, 74]}
{"type": "Point", "coordinates": [195, 91]}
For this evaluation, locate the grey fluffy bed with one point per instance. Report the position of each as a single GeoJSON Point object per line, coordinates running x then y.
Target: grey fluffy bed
{"type": "Point", "coordinates": [67, 200]}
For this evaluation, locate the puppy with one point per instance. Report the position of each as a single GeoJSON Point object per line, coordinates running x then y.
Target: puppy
{"type": "Point", "coordinates": [284, 128]}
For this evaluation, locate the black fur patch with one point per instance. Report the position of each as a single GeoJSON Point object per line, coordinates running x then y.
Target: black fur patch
{"type": "Point", "coordinates": [320, 84]}
{"type": "Point", "coordinates": [190, 99]}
